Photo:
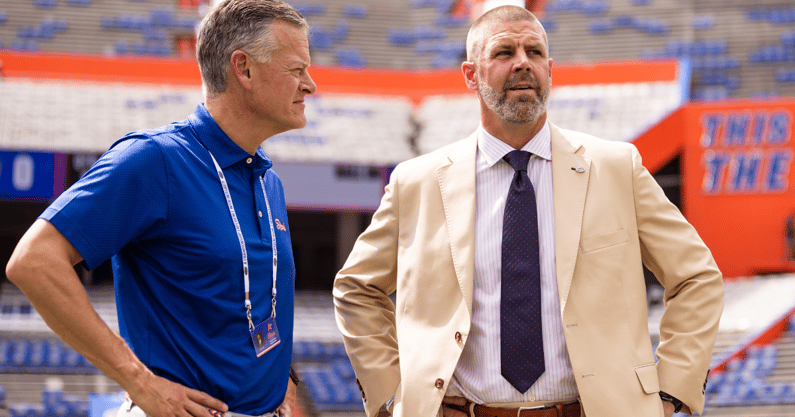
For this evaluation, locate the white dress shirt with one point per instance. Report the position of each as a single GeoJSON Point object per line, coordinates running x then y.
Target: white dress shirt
{"type": "Point", "coordinates": [477, 375]}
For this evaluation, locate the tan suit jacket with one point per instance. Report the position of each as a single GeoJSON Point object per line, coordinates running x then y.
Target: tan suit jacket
{"type": "Point", "coordinates": [610, 219]}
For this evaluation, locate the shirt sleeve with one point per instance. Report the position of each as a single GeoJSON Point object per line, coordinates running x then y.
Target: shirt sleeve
{"type": "Point", "coordinates": [123, 197]}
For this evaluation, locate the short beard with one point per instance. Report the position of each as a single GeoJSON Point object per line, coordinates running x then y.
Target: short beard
{"type": "Point", "coordinates": [525, 110]}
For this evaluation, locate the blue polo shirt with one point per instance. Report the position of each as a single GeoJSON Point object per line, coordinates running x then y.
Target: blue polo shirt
{"type": "Point", "coordinates": [155, 206]}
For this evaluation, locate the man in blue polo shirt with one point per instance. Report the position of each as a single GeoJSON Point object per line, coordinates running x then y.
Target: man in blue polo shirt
{"type": "Point", "coordinates": [194, 220]}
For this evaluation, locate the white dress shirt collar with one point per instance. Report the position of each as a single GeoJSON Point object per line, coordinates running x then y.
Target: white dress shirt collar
{"type": "Point", "coordinates": [493, 149]}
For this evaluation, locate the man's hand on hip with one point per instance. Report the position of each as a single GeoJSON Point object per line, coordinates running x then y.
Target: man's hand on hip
{"type": "Point", "coordinates": [160, 397]}
{"type": "Point", "coordinates": [668, 409]}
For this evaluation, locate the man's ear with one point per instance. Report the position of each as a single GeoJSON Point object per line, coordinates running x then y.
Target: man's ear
{"type": "Point", "coordinates": [468, 69]}
{"type": "Point", "coordinates": [241, 68]}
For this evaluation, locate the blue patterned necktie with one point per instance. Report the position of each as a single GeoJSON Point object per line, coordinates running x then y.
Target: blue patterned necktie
{"type": "Point", "coordinates": [521, 344]}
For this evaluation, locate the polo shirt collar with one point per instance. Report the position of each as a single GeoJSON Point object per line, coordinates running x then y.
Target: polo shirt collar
{"type": "Point", "coordinates": [225, 151]}
{"type": "Point", "coordinates": [494, 149]}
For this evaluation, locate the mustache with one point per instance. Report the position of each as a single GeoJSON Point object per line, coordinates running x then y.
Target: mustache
{"type": "Point", "coordinates": [522, 78]}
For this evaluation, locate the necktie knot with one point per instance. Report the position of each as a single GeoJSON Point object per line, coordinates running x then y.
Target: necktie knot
{"type": "Point", "coordinates": [517, 159]}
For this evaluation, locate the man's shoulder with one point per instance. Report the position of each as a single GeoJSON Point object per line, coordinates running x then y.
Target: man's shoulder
{"type": "Point", "coordinates": [164, 138]}
{"type": "Point", "coordinates": [592, 146]}
{"type": "Point", "coordinates": [439, 157]}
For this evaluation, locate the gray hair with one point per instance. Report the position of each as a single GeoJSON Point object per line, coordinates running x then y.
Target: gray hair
{"type": "Point", "coordinates": [492, 17]}
{"type": "Point", "coordinates": [244, 25]}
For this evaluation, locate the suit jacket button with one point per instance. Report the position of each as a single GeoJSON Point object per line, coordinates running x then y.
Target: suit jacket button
{"type": "Point", "coordinates": [439, 383]}
{"type": "Point", "coordinates": [458, 336]}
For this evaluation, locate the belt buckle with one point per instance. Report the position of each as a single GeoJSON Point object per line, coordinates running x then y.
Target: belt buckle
{"type": "Point", "coordinates": [537, 407]}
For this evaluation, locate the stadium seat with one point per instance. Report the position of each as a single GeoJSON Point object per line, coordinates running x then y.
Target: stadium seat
{"type": "Point", "coordinates": [340, 32]}
{"type": "Point", "coordinates": [595, 8]}
{"type": "Point", "coordinates": [351, 57]}
{"type": "Point", "coordinates": [602, 27]}
{"type": "Point", "coordinates": [449, 21]}
{"type": "Point", "coordinates": [625, 21]}
{"type": "Point", "coordinates": [356, 11]}
{"type": "Point", "coordinates": [401, 37]}
{"type": "Point", "coordinates": [320, 39]}
{"type": "Point", "coordinates": [550, 24]}
{"type": "Point", "coordinates": [703, 22]}
{"type": "Point", "coordinates": [428, 33]}
{"type": "Point", "coordinates": [3, 17]}
{"type": "Point", "coordinates": [45, 4]}
{"type": "Point", "coordinates": [310, 9]}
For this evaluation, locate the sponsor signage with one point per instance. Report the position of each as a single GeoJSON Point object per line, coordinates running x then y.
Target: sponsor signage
{"type": "Point", "coordinates": [32, 175]}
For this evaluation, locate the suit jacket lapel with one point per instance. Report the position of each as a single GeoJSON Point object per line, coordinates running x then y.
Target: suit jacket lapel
{"type": "Point", "coordinates": [457, 186]}
{"type": "Point", "coordinates": [570, 173]}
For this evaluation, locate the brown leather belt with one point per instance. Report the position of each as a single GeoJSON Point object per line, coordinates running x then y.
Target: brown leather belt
{"type": "Point", "coordinates": [557, 410]}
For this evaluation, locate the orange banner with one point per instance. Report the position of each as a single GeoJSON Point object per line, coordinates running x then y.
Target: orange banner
{"type": "Point", "coordinates": [738, 179]}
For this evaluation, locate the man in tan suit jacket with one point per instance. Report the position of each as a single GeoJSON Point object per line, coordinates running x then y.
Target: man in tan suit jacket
{"type": "Point", "coordinates": [610, 219]}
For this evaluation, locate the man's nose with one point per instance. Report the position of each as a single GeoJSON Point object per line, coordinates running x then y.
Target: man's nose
{"type": "Point", "coordinates": [522, 62]}
{"type": "Point", "coordinates": [308, 84]}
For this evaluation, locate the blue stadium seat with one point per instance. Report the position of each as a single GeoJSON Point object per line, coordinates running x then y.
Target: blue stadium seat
{"type": "Point", "coordinates": [162, 17]}
{"type": "Point", "coordinates": [711, 93]}
{"type": "Point", "coordinates": [401, 37]}
{"type": "Point", "coordinates": [45, 4]}
{"type": "Point", "coordinates": [564, 6]}
{"type": "Point", "coordinates": [602, 27]}
{"type": "Point", "coordinates": [550, 24]}
{"type": "Point", "coordinates": [343, 367]}
{"type": "Point", "coordinates": [26, 32]}
{"type": "Point", "coordinates": [310, 9]}
{"type": "Point", "coordinates": [782, 16]}
{"type": "Point", "coordinates": [449, 21]}
{"type": "Point", "coordinates": [653, 26]}
{"type": "Point", "coordinates": [330, 390]}
{"type": "Point", "coordinates": [24, 45]}
{"type": "Point", "coordinates": [79, 3]}
{"type": "Point", "coordinates": [703, 22]}
{"type": "Point", "coordinates": [350, 57]}
{"type": "Point", "coordinates": [764, 94]}
{"type": "Point", "coordinates": [3, 17]}
{"type": "Point", "coordinates": [428, 33]}
{"type": "Point", "coordinates": [340, 32]}
{"type": "Point", "coordinates": [356, 11]}
{"type": "Point", "coordinates": [595, 8]}
{"type": "Point", "coordinates": [625, 21]}
{"type": "Point", "coordinates": [121, 47]}
{"type": "Point", "coordinates": [419, 4]}
{"type": "Point", "coordinates": [442, 6]}
{"type": "Point", "coordinates": [788, 40]}
{"type": "Point", "coordinates": [771, 54]}
{"type": "Point", "coordinates": [320, 39]}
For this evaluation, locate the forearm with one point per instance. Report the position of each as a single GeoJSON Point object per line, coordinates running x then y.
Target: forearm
{"type": "Point", "coordinates": [42, 267]}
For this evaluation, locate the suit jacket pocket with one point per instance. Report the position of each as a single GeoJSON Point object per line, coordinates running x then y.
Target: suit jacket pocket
{"type": "Point", "coordinates": [647, 375]}
{"type": "Point", "coordinates": [604, 241]}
